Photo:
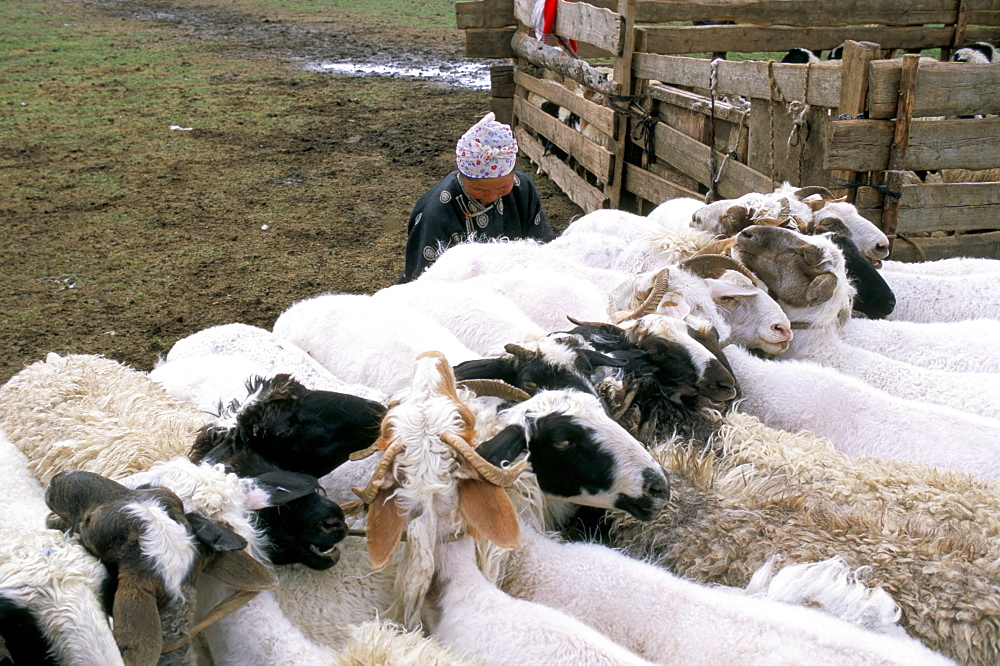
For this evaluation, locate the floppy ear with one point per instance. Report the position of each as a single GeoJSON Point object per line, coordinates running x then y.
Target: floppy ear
{"type": "Point", "coordinates": [812, 254]}
{"type": "Point", "coordinates": [722, 289]}
{"type": "Point", "coordinates": [673, 305]}
{"type": "Point", "coordinates": [215, 535]}
{"type": "Point", "coordinates": [385, 528]}
{"type": "Point", "coordinates": [735, 220]}
{"type": "Point", "coordinates": [137, 628]}
{"type": "Point", "coordinates": [489, 512]}
{"type": "Point", "coordinates": [237, 569]}
{"type": "Point", "coordinates": [505, 446]}
{"type": "Point", "coordinates": [821, 288]}
{"type": "Point", "coordinates": [283, 487]}
{"type": "Point", "coordinates": [596, 358]}
{"type": "Point", "coordinates": [487, 368]}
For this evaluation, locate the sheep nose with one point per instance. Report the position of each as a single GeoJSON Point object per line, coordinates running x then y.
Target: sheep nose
{"type": "Point", "coordinates": [332, 524]}
{"type": "Point", "coordinates": [783, 333]}
{"type": "Point", "coordinates": [656, 485]}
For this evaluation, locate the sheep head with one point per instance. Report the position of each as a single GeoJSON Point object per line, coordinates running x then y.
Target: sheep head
{"type": "Point", "coordinates": [445, 431]}
{"type": "Point", "coordinates": [796, 271]}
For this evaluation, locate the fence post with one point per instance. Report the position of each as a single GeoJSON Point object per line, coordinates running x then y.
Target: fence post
{"type": "Point", "coordinates": [853, 95]}
{"type": "Point", "coordinates": [900, 144]}
{"type": "Point", "coordinates": [623, 77]}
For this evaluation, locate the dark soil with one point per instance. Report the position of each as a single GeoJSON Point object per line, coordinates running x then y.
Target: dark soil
{"type": "Point", "coordinates": [183, 257]}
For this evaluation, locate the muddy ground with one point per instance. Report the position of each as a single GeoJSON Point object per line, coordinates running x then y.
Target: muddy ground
{"type": "Point", "coordinates": [181, 254]}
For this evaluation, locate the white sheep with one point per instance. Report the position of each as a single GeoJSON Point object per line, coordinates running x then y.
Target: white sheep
{"type": "Point", "coordinates": [623, 224]}
{"type": "Point", "coordinates": [364, 341]}
{"type": "Point", "coordinates": [94, 414]}
{"type": "Point", "coordinates": [963, 346]}
{"type": "Point", "coordinates": [592, 249]}
{"type": "Point", "coordinates": [933, 298]}
{"type": "Point", "coordinates": [482, 320]}
{"type": "Point", "coordinates": [862, 420]}
{"type": "Point", "coordinates": [676, 213]}
{"type": "Point", "coordinates": [49, 573]}
{"type": "Point", "coordinates": [547, 296]}
{"type": "Point", "coordinates": [943, 267]}
{"type": "Point", "coordinates": [634, 603]}
{"type": "Point", "coordinates": [211, 367]}
{"type": "Point", "coordinates": [467, 260]}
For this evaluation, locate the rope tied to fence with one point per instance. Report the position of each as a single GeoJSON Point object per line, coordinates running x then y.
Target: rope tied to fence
{"type": "Point", "coordinates": [643, 123]}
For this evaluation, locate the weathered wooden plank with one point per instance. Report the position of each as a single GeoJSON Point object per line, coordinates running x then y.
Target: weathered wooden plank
{"type": "Point", "coordinates": [651, 187]}
{"type": "Point", "coordinates": [693, 158]}
{"type": "Point", "coordinates": [579, 191]}
{"type": "Point", "coordinates": [900, 141]}
{"type": "Point", "coordinates": [949, 207]}
{"type": "Point", "coordinates": [503, 109]}
{"type": "Point", "coordinates": [599, 116]}
{"type": "Point", "coordinates": [484, 14]}
{"type": "Point", "coordinates": [750, 38]}
{"type": "Point", "coordinates": [748, 78]}
{"type": "Point", "coordinates": [584, 22]}
{"type": "Point", "coordinates": [579, 20]}
{"type": "Point", "coordinates": [502, 81]}
{"type": "Point", "coordinates": [962, 245]}
{"type": "Point", "coordinates": [943, 89]}
{"type": "Point", "coordinates": [863, 145]}
{"type": "Point", "coordinates": [489, 43]}
{"type": "Point", "coordinates": [816, 12]}
{"type": "Point", "coordinates": [697, 103]}
{"type": "Point", "coordinates": [592, 157]}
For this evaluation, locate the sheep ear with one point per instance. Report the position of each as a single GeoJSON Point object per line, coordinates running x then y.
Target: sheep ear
{"type": "Point", "coordinates": [735, 220]}
{"type": "Point", "coordinates": [237, 569]}
{"type": "Point", "coordinates": [137, 629]}
{"type": "Point", "coordinates": [596, 358]}
{"type": "Point", "coordinates": [673, 305]}
{"type": "Point", "coordinates": [489, 511]}
{"type": "Point", "coordinates": [721, 288]}
{"type": "Point", "coordinates": [816, 204]}
{"type": "Point", "coordinates": [216, 536]}
{"type": "Point", "coordinates": [811, 254]}
{"type": "Point", "coordinates": [283, 487]}
{"type": "Point", "coordinates": [487, 368]}
{"type": "Point", "coordinates": [821, 288]}
{"type": "Point", "coordinates": [385, 527]}
{"type": "Point", "coordinates": [505, 446]}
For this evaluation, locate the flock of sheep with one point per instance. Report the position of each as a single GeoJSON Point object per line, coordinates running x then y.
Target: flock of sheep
{"type": "Point", "coordinates": [724, 433]}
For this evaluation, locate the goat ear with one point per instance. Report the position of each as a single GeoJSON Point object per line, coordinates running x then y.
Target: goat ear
{"type": "Point", "coordinates": [721, 289]}
{"type": "Point", "coordinates": [811, 254]}
{"type": "Point", "coordinates": [815, 204]}
{"type": "Point", "coordinates": [673, 305]}
{"type": "Point", "coordinates": [283, 487]}
{"type": "Point", "coordinates": [237, 569]}
{"type": "Point", "coordinates": [385, 527]}
{"type": "Point", "coordinates": [821, 288]}
{"type": "Point", "coordinates": [487, 368]}
{"type": "Point", "coordinates": [215, 535]}
{"type": "Point", "coordinates": [489, 511]}
{"type": "Point", "coordinates": [137, 628]}
{"type": "Point", "coordinates": [505, 446]}
{"type": "Point", "coordinates": [735, 220]}
{"type": "Point", "coordinates": [596, 358]}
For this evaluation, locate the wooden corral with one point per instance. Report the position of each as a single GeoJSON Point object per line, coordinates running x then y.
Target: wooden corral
{"type": "Point", "coordinates": [663, 118]}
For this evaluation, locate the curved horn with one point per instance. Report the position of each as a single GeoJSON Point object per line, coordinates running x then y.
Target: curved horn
{"type": "Point", "coordinates": [656, 293]}
{"type": "Point", "coordinates": [714, 265]}
{"type": "Point", "coordinates": [498, 476]}
{"type": "Point", "coordinates": [496, 388]}
{"type": "Point", "coordinates": [367, 494]}
{"type": "Point", "coordinates": [810, 190]}
{"type": "Point", "coordinates": [721, 246]}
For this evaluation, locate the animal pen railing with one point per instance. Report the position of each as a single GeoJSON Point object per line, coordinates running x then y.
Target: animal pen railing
{"type": "Point", "coordinates": [667, 123]}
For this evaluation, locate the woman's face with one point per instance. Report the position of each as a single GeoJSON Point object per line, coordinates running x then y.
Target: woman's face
{"type": "Point", "coordinates": [488, 190]}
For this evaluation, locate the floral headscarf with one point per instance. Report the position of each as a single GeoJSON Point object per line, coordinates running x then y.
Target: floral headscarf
{"type": "Point", "coordinates": [487, 150]}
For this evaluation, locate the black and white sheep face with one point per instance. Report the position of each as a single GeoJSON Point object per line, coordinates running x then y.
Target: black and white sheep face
{"type": "Point", "coordinates": [579, 454]}
{"type": "Point", "coordinates": [687, 357]}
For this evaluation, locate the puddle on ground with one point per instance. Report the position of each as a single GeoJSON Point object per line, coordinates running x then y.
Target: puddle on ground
{"type": "Point", "coordinates": [471, 75]}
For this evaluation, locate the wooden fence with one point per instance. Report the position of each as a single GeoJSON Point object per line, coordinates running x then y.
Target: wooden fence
{"type": "Point", "coordinates": [663, 118]}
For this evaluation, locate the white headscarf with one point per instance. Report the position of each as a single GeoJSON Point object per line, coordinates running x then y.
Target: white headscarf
{"type": "Point", "coordinates": [487, 150]}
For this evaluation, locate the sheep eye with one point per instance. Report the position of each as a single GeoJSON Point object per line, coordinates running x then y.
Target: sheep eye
{"type": "Point", "coordinates": [530, 385]}
{"type": "Point", "coordinates": [563, 445]}
{"type": "Point", "coordinates": [727, 300]}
